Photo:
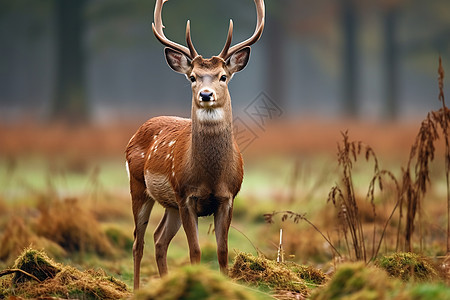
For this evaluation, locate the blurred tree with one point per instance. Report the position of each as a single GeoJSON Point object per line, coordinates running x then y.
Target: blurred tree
{"type": "Point", "coordinates": [390, 19]}
{"type": "Point", "coordinates": [275, 62]}
{"type": "Point", "coordinates": [274, 33]}
{"type": "Point", "coordinates": [391, 63]}
{"type": "Point", "coordinates": [350, 56]}
{"type": "Point", "coordinates": [70, 101]}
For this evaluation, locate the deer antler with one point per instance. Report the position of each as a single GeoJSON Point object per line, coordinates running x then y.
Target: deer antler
{"type": "Point", "coordinates": [227, 51]}
{"type": "Point", "coordinates": [158, 26]}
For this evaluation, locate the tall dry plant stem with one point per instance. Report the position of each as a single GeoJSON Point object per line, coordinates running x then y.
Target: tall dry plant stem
{"type": "Point", "coordinates": [344, 198]}
{"type": "Point", "coordinates": [422, 152]}
{"type": "Point", "coordinates": [415, 188]}
{"type": "Point", "coordinates": [444, 122]}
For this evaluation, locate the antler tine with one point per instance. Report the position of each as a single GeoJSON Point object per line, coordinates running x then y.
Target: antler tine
{"type": "Point", "coordinates": [158, 26]}
{"type": "Point", "coordinates": [189, 41]}
{"type": "Point", "coordinates": [260, 11]}
{"type": "Point", "coordinates": [225, 49]}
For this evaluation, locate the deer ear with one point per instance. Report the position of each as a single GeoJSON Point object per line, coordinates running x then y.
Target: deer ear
{"type": "Point", "coordinates": [238, 60]}
{"type": "Point", "coordinates": [177, 61]}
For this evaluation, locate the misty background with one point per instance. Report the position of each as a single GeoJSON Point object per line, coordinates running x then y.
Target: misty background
{"type": "Point", "coordinates": [98, 60]}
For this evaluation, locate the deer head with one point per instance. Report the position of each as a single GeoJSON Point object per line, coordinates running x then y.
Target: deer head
{"type": "Point", "coordinates": [211, 102]}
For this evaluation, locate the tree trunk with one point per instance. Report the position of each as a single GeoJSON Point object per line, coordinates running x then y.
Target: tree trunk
{"type": "Point", "coordinates": [70, 103]}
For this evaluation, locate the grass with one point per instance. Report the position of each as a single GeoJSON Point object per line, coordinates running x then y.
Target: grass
{"type": "Point", "coordinates": [197, 282]}
{"type": "Point", "coordinates": [408, 266]}
{"type": "Point", "coordinates": [77, 208]}
{"type": "Point", "coordinates": [36, 275]}
{"type": "Point", "coordinates": [357, 281]}
{"type": "Point", "coordinates": [280, 277]}
{"type": "Point", "coordinates": [110, 214]}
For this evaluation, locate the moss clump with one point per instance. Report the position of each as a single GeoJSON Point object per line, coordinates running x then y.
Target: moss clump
{"type": "Point", "coordinates": [36, 263]}
{"type": "Point", "coordinates": [263, 272]}
{"type": "Point", "coordinates": [357, 281]}
{"type": "Point", "coordinates": [407, 266]}
{"type": "Point", "coordinates": [59, 281]}
{"type": "Point", "coordinates": [192, 283]}
{"type": "Point", "coordinates": [308, 273]}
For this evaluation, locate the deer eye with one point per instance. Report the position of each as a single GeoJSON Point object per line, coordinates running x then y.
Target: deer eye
{"type": "Point", "coordinates": [223, 78]}
{"type": "Point", "coordinates": [192, 79]}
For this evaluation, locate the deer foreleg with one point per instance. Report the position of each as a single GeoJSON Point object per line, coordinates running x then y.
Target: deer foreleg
{"type": "Point", "coordinates": [222, 221]}
{"type": "Point", "coordinates": [189, 219]}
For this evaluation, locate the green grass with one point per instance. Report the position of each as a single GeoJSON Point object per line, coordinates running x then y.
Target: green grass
{"type": "Point", "coordinates": [267, 187]}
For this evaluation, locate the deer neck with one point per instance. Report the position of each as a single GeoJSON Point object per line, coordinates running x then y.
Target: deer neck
{"type": "Point", "coordinates": [212, 138]}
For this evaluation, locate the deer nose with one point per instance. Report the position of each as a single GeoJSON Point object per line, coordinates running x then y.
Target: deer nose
{"type": "Point", "coordinates": [206, 96]}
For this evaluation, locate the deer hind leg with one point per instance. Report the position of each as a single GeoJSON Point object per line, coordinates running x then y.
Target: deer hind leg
{"type": "Point", "coordinates": [166, 230]}
{"type": "Point", "coordinates": [142, 206]}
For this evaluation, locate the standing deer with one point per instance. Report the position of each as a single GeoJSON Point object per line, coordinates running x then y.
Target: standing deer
{"type": "Point", "coordinates": [192, 167]}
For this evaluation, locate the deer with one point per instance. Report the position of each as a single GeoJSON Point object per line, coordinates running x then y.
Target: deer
{"type": "Point", "coordinates": [191, 167]}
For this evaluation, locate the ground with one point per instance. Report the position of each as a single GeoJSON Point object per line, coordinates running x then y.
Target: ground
{"type": "Point", "coordinates": [65, 190]}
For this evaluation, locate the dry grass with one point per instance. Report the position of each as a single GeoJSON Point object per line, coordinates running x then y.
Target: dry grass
{"type": "Point", "coordinates": [196, 282]}
{"type": "Point", "coordinates": [416, 175]}
{"type": "Point", "coordinates": [52, 279]}
{"type": "Point", "coordinates": [360, 281]}
{"type": "Point", "coordinates": [408, 266]}
{"type": "Point", "coordinates": [408, 193]}
{"type": "Point", "coordinates": [357, 281]}
{"type": "Point", "coordinates": [17, 235]}
{"type": "Point", "coordinates": [442, 117]}
{"type": "Point", "coordinates": [36, 263]}
{"type": "Point", "coordinates": [283, 278]}
{"type": "Point", "coordinates": [73, 227]}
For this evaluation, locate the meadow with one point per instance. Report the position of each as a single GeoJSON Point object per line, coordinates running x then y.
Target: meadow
{"type": "Point", "coordinates": [363, 208]}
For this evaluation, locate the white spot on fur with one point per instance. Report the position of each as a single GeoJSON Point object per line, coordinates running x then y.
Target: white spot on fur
{"type": "Point", "coordinates": [171, 143]}
{"type": "Point", "coordinates": [173, 173]}
{"type": "Point", "coordinates": [160, 132]}
{"type": "Point", "coordinates": [210, 115]}
{"type": "Point", "coordinates": [143, 154]}
{"type": "Point", "coordinates": [168, 156]}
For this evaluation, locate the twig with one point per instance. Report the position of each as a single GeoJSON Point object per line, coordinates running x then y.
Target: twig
{"type": "Point", "coordinates": [11, 271]}
{"type": "Point", "coordinates": [256, 248]}
{"type": "Point", "coordinates": [297, 217]}
{"type": "Point", "coordinates": [280, 256]}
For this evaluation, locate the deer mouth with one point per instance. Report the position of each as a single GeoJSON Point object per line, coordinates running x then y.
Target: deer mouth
{"type": "Point", "coordinates": [207, 104]}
